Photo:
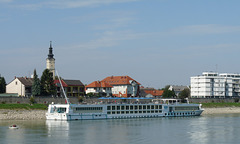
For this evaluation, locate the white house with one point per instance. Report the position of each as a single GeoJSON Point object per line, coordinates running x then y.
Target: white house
{"type": "Point", "coordinates": [212, 85]}
{"type": "Point", "coordinates": [123, 86]}
{"type": "Point", "coordinates": [99, 87]}
{"type": "Point", "coordinates": [20, 85]}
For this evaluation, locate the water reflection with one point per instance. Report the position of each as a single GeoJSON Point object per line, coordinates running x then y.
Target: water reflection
{"type": "Point", "coordinates": [188, 130]}
{"type": "Point", "coordinates": [214, 129]}
{"type": "Point", "coordinates": [59, 129]}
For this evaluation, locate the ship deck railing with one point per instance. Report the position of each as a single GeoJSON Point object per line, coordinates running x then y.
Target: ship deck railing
{"type": "Point", "coordinates": [109, 103]}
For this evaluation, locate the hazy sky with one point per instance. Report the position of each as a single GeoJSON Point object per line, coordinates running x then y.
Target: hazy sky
{"type": "Point", "coordinates": [156, 42]}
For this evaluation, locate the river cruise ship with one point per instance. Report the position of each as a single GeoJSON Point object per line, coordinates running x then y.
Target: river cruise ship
{"type": "Point", "coordinates": [155, 108]}
{"type": "Point", "coordinates": [122, 109]}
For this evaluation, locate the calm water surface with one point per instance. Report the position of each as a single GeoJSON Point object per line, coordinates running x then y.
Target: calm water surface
{"type": "Point", "coordinates": [211, 129]}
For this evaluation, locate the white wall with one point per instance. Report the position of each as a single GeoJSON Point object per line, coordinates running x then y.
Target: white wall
{"type": "Point", "coordinates": [16, 87]}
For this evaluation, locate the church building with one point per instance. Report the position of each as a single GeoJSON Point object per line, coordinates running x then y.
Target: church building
{"type": "Point", "coordinates": [51, 61]}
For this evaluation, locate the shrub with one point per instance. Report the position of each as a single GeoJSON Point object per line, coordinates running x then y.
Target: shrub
{"type": "Point", "coordinates": [80, 99]}
{"type": "Point", "coordinates": [32, 100]}
{"type": "Point", "coordinates": [236, 100]}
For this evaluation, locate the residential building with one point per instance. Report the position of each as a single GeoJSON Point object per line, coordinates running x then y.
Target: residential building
{"type": "Point", "coordinates": [50, 61]}
{"type": "Point", "coordinates": [71, 87]}
{"type": "Point", "coordinates": [214, 85]}
{"type": "Point", "coordinates": [177, 89]}
{"type": "Point", "coordinates": [232, 83]}
{"type": "Point", "coordinates": [123, 86]}
{"type": "Point", "coordinates": [151, 92]}
{"type": "Point", "coordinates": [98, 87]}
{"type": "Point", "coordinates": [22, 86]}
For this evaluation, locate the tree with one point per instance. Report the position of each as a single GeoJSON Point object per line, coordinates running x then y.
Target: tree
{"type": "Point", "coordinates": [2, 85]}
{"type": "Point", "coordinates": [90, 94]}
{"type": "Point", "coordinates": [47, 84]}
{"type": "Point", "coordinates": [168, 93]}
{"type": "Point", "coordinates": [184, 94]}
{"type": "Point", "coordinates": [36, 88]}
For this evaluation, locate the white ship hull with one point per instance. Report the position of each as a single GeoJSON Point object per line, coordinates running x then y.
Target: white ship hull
{"type": "Point", "coordinates": [120, 111]}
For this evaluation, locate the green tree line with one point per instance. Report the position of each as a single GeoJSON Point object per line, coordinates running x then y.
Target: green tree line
{"type": "Point", "coordinates": [44, 86]}
{"type": "Point", "coordinates": [171, 94]}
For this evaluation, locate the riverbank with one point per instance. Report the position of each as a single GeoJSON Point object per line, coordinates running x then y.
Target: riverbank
{"type": "Point", "coordinates": [21, 114]}
{"type": "Point", "coordinates": [221, 110]}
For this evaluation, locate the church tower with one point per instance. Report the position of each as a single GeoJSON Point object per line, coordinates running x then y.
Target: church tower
{"type": "Point", "coordinates": [51, 61]}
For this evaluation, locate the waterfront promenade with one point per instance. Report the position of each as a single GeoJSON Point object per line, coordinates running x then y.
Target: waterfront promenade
{"type": "Point", "coordinates": [40, 114]}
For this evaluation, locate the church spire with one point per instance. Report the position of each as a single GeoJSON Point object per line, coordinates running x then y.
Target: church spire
{"type": "Point", "coordinates": [50, 55]}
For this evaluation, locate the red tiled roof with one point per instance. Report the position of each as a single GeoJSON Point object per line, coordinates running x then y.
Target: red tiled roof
{"type": "Point", "coordinates": [63, 83]}
{"type": "Point", "coordinates": [98, 84]}
{"type": "Point", "coordinates": [154, 92]}
{"type": "Point", "coordinates": [119, 80]}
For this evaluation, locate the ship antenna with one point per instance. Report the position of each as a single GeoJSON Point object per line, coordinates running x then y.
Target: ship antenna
{"type": "Point", "coordinates": [62, 88]}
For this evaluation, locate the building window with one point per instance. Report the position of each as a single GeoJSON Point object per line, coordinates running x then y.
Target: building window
{"type": "Point", "coordinates": [16, 83]}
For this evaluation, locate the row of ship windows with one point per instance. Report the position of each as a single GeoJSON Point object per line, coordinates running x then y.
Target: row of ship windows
{"type": "Point", "coordinates": [88, 108]}
{"type": "Point", "coordinates": [133, 112]}
{"type": "Point", "coordinates": [186, 108]}
{"type": "Point", "coordinates": [136, 107]}
{"type": "Point", "coordinates": [180, 114]}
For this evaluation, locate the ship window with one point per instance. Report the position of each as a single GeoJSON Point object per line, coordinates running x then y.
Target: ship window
{"type": "Point", "coordinates": [160, 106]}
{"type": "Point", "coordinates": [127, 107]}
{"type": "Point", "coordinates": [122, 107]}
{"type": "Point", "coordinates": [113, 107]}
{"type": "Point", "coordinates": [118, 107]}
{"type": "Point", "coordinates": [108, 112]}
{"type": "Point", "coordinates": [144, 107]}
{"type": "Point", "coordinates": [156, 111]}
{"type": "Point", "coordinates": [136, 111]}
{"type": "Point", "coordinates": [61, 110]}
{"type": "Point", "coordinates": [140, 111]}
{"type": "Point", "coordinates": [152, 111]}
{"type": "Point", "coordinates": [131, 112]}
{"type": "Point", "coordinates": [144, 111]}
{"type": "Point", "coordinates": [118, 112]}
{"type": "Point", "coordinates": [136, 107]}
{"type": "Point", "coordinates": [148, 107]}
{"type": "Point", "coordinates": [140, 107]}
{"type": "Point", "coordinates": [127, 112]}
{"type": "Point", "coordinates": [156, 106]}
{"type": "Point", "coordinates": [148, 111]}
{"type": "Point", "coordinates": [152, 106]}
{"type": "Point", "coordinates": [131, 107]}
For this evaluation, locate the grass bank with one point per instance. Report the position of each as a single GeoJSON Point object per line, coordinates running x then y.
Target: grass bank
{"type": "Point", "coordinates": [220, 105]}
{"type": "Point", "coordinates": [24, 106]}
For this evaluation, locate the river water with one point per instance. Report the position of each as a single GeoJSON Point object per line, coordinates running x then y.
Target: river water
{"type": "Point", "coordinates": [207, 129]}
